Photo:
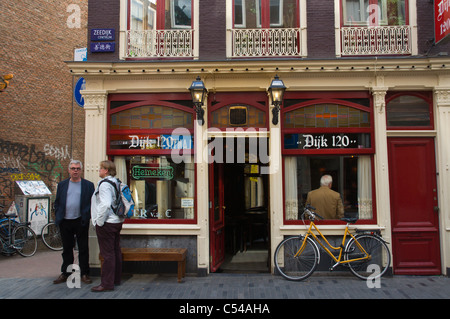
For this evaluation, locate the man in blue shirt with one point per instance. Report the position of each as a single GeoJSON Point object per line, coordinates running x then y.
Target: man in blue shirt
{"type": "Point", "coordinates": [72, 215]}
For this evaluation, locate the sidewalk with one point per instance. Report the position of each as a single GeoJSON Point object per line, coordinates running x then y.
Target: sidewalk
{"type": "Point", "coordinates": [32, 278]}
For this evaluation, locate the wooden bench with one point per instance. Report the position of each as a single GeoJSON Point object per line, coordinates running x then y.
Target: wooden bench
{"type": "Point", "coordinates": [156, 254]}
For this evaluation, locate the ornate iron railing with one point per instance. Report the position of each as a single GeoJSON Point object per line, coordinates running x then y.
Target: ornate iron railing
{"type": "Point", "coordinates": [159, 43]}
{"type": "Point", "coordinates": [283, 42]}
{"type": "Point", "coordinates": [380, 40]}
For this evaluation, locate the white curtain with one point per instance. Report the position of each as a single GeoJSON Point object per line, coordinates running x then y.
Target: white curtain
{"type": "Point", "coordinates": [290, 178]}
{"type": "Point", "coordinates": [121, 168]}
{"type": "Point", "coordinates": [364, 187]}
{"type": "Point", "coordinates": [189, 173]}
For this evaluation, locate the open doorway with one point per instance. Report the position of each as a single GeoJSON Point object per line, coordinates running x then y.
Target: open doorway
{"type": "Point", "coordinates": [239, 202]}
{"type": "Point", "coordinates": [246, 219]}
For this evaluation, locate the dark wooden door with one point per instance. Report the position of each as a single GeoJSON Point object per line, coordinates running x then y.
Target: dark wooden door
{"type": "Point", "coordinates": [414, 206]}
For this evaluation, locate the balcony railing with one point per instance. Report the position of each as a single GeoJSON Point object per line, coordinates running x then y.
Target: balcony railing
{"type": "Point", "coordinates": [265, 42]}
{"type": "Point", "coordinates": [380, 40]}
{"type": "Point", "coordinates": [159, 44]}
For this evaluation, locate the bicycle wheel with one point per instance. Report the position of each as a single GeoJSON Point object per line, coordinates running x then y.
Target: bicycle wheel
{"type": "Point", "coordinates": [378, 262]}
{"type": "Point", "coordinates": [52, 237]}
{"type": "Point", "coordinates": [24, 241]}
{"type": "Point", "coordinates": [297, 267]}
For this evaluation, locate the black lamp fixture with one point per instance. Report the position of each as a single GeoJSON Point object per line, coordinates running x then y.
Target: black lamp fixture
{"type": "Point", "coordinates": [276, 91]}
{"type": "Point", "coordinates": [198, 93]}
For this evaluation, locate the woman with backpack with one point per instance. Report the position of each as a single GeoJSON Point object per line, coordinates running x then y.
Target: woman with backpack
{"type": "Point", "coordinates": [107, 226]}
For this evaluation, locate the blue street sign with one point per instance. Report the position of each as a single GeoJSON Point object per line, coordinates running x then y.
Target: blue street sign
{"type": "Point", "coordinates": [81, 85]}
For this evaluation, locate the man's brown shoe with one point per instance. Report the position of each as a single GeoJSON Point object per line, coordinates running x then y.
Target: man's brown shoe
{"type": "Point", "coordinates": [100, 288]}
{"type": "Point", "coordinates": [62, 278]}
{"type": "Point", "coordinates": [86, 279]}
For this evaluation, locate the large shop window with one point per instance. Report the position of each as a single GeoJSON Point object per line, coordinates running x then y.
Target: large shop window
{"type": "Point", "coordinates": [150, 139]}
{"type": "Point", "coordinates": [328, 137]}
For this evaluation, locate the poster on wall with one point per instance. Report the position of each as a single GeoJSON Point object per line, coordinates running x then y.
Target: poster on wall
{"type": "Point", "coordinates": [38, 213]}
{"type": "Point", "coordinates": [33, 187]}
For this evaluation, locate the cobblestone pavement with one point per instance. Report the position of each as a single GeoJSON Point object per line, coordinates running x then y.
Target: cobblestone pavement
{"type": "Point", "coordinates": [33, 279]}
{"type": "Point", "coordinates": [233, 286]}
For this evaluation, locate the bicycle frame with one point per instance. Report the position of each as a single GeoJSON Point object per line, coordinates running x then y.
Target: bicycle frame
{"type": "Point", "coordinates": [338, 260]}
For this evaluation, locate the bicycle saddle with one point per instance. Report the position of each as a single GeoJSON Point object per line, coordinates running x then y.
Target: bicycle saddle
{"type": "Point", "coordinates": [350, 220]}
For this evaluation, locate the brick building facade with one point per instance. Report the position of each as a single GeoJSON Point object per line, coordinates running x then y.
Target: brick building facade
{"type": "Point", "coordinates": [367, 90]}
{"type": "Point", "coordinates": [41, 128]}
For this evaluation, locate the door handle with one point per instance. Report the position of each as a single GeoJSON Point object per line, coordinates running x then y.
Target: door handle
{"type": "Point", "coordinates": [436, 209]}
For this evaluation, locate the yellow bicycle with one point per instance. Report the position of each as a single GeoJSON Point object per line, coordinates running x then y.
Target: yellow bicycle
{"type": "Point", "coordinates": [366, 253]}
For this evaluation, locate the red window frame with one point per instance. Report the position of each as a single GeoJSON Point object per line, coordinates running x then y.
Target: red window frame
{"type": "Point", "coordinates": [136, 100]}
{"type": "Point", "coordinates": [265, 14]}
{"type": "Point", "coordinates": [223, 99]}
{"type": "Point", "coordinates": [342, 98]}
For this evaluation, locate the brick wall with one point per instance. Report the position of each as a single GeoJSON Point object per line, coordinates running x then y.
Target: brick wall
{"type": "Point", "coordinates": [212, 33]}
{"type": "Point", "coordinates": [212, 30]}
{"type": "Point", "coordinates": [320, 28]}
{"type": "Point", "coordinates": [425, 30]}
{"type": "Point", "coordinates": [36, 109]}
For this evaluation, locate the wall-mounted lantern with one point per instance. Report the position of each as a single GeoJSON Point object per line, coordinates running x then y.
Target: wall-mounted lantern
{"type": "Point", "coordinates": [276, 91]}
{"type": "Point", "coordinates": [198, 93]}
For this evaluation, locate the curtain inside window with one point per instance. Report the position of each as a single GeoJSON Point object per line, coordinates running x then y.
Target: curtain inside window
{"type": "Point", "coordinates": [121, 168]}
{"type": "Point", "coordinates": [291, 197]}
{"type": "Point", "coordinates": [364, 188]}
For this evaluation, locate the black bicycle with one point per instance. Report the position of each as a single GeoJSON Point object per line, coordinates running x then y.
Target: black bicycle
{"type": "Point", "coordinates": [16, 237]}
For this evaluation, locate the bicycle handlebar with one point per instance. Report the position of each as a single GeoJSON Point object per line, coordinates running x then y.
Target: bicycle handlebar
{"type": "Point", "coordinates": [310, 210]}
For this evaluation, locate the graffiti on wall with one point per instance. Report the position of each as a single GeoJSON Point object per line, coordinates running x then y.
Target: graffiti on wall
{"type": "Point", "coordinates": [20, 161]}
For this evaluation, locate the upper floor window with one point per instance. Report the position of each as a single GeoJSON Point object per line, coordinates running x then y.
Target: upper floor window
{"type": "Point", "coordinates": [161, 15]}
{"type": "Point", "coordinates": [374, 12]}
{"type": "Point", "coordinates": [160, 29]}
{"type": "Point", "coordinates": [267, 28]}
{"type": "Point", "coordinates": [376, 27]}
{"type": "Point", "coordinates": [251, 14]}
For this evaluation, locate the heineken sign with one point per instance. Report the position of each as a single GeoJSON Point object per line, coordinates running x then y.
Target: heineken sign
{"type": "Point", "coordinates": [148, 171]}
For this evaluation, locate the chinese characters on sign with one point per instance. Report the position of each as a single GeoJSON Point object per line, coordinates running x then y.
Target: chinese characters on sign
{"type": "Point", "coordinates": [102, 35]}
{"type": "Point", "coordinates": [103, 47]}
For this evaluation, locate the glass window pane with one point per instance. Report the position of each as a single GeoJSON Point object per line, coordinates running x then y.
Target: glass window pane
{"type": "Point", "coordinates": [326, 115]}
{"type": "Point", "coordinates": [180, 14]}
{"type": "Point", "coordinates": [239, 13]}
{"type": "Point", "coordinates": [352, 179]}
{"type": "Point", "coordinates": [276, 10]}
{"type": "Point", "coordinates": [407, 110]}
{"type": "Point", "coordinates": [222, 117]}
{"type": "Point", "coordinates": [152, 117]}
{"type": "Point", "coordinates": [142, 15]}
{"type": "Point", "coordinates": [161, 188]}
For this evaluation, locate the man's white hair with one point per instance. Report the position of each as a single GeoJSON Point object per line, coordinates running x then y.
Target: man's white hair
{"type": "Point", "coordinates": [326, 180]}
